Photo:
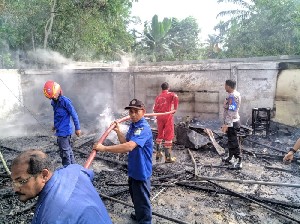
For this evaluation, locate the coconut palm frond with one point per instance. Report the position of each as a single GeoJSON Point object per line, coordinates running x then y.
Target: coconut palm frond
{"type": "Point", "coordinates": [232, 13]}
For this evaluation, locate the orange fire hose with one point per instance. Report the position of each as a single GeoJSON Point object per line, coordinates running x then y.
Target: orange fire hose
{"type": "Point", "coordinates": [104, 136]}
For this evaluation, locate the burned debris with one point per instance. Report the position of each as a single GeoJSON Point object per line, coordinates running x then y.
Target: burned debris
{"type": "Point", "coordinates": [195, 189]}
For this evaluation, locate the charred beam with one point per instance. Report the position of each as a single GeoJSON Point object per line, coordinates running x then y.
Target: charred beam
{"type": "Point", "coordinates": [246, 181]}
{"type": "Point", "coordinates": [221, 191]}
{"type": "Point", "coordinates": [253, 201]}
{"type": "Point", "coordinates": [153, 213]}
{"type": "Point", "coordinates": [267, 146]}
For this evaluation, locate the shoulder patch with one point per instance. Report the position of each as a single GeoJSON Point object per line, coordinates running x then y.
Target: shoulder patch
{"type": "Point", "coordinates": [138, 131]}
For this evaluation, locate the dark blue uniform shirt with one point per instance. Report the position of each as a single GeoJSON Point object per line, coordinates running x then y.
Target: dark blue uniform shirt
{"type": "Point", "coordinates": [140, 158]}
{"type": "Point", "coordinates": [69, 197]}
{"type": "Point", "coordinates": [63, 111]}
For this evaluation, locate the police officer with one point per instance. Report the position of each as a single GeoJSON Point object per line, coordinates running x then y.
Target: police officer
{"type": "Point", "coordinates": [231, 123]}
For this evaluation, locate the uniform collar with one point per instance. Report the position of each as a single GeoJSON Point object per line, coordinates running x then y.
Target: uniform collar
{"type": "Point", "coordinates": [142, 120]}
{"type": "Point", "coordinates": [50, 183]}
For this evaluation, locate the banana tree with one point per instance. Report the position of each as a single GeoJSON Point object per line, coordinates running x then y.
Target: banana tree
{"type": "Point", "coordinates": [155, 38]}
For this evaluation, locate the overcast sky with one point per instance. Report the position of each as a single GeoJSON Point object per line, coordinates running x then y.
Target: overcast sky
{"type": "Point", "coordinates": [205, 11]}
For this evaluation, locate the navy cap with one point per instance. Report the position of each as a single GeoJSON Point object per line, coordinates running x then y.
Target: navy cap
{"type": "Point", "coordinates": [135, 103]}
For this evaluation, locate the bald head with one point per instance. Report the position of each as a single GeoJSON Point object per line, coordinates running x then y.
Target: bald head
{"type": "Point", "coordinates": [36, 160]}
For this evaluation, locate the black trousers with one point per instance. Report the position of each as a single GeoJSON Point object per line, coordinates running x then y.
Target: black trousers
{"type": "Point", "coordinates": [66, 152]}
{"type": "Point", "coordinates": [233, 142]}
{"type": "Point", "coordinates": [140, 196]}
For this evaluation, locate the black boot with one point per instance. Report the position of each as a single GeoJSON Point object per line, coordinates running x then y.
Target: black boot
{"type": "Point", "coordinates": [159, 153]}
{"type": "Point", "coordinates": [226, 160]}
{"type": "Point", "coordinates": [133, 216]}
{"type": "Point", "coordinates": [168, 156]}
{"type": "Point", "coordinates": [239, 164]}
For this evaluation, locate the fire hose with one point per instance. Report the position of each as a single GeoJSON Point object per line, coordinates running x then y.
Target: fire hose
{"type": "Point", "coordinates": [101, 140]}
{"type": "Point", "coordinates": [112, 126]}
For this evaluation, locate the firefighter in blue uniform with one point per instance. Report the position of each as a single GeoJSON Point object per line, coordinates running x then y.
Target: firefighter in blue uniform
{"type": "Point", "coordinates": [66, 195]}
{"type": "Point", "coordinates": [139, 143]}
{"type": "Point", "coordinates": [63, 111]}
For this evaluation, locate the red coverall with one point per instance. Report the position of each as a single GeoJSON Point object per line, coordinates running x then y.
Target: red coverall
{"type": "Point", "coordinates": [165, 123]}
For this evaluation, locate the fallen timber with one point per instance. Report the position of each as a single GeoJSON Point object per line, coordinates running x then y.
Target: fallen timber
{"type": "Point", "coordinates": [118, 192]}
{"type": "Point", "coordinates": [81, 142]}
{"type": "Point", "coordinates": [246, 181]}
{"type": "Point", "coordinates": [245, 197]}
{"type": "Point", "coordinates": [279, 169]}
{"type": "Point", "coordinates": [153, 213]}
{"type": "Point", "coordinates": [168, 176]}
{"type": "Point", "coordinates": [216, 145]}
{"type": "Point", "coordinates": [4, 164]}
{"type": "Point", "coordinates": [252, 200]}
{"type": "Point", "coordinates": [214, 190]}
{"type": "Point", "coordinates": [163, 189]}
{"type": "Point", "coordinates": [152, 184]}
{"type": "Point", "coordinates": [267, 167]}
{"type": "Point", "coordinates": [267, 146]}
{"type": "Point", "coordinates": [194, 161]}
{"type": "Point", "coordinates": [264, 155]}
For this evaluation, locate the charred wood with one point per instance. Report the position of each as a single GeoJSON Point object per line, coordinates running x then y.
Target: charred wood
{"type": "Point", "coordinates": [194, 162]}
{"type": "Point", "coordinates": [254, 201]}
{"type": "Point", "coordinates": [168, 176]}
{"type": "Point", "coordinates": [153, 213]}
{"type": "Point", "coordinates": [279, 169]}
{"type": "Point", "coordinates": [264, 155]}
{"type": "Point", "coordinates": [211, 189]}
{"type": "Point", "coordinates": [119, 192]}
{"type": "Point", "coordinates": [246, 181]}
{"type": "Point", "coordinates": [267, 146]}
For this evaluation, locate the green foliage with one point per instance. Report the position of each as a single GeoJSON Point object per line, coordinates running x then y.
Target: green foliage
{"type": "Point", "coordinates": [211, 47]}
{"type": "Point", "coordinates": [83, 30]}
{"type": "Point", "coordinates": [154, 40]}
{"type": "Point", "coordinates": [6, 61]}
{"type": "Point", "coordinates": [262, 28]}
{"type": "Point", "coordinates": [183, 39]}
{"type": "Point", "coordinates": [170, 39]}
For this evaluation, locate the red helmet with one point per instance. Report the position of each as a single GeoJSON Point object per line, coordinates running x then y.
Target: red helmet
{"type": "Point", "coordinates": [52, 90]}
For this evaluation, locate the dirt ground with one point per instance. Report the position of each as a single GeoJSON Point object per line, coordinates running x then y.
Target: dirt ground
{"type": "Point", "coordinates": [176, 192]}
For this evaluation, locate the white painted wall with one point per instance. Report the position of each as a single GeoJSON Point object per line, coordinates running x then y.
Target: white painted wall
{"type": "Point", "coordinates": [11, 98]}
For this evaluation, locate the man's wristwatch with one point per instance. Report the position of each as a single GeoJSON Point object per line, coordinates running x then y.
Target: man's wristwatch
{"type": "Point", "coordinates": [293, 150]}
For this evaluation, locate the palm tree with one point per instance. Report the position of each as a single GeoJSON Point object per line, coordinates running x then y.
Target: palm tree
{"type": "Point", "coordinates": [245, 11]}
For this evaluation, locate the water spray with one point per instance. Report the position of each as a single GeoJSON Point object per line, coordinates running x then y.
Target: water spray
{"type": "Point", "coordinates": [112, 126]}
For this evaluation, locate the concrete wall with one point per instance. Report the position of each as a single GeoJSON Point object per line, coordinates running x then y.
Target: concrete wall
{"type": "Point", "coordinates": [200, 87]}
{"type": "Point", "coordinates": [104, 92]}
{"type": "Point", "coordinates": [287, 98]}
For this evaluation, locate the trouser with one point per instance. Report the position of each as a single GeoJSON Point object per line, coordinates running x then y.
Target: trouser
{"type": "Point", "coordinates": [233, 142]}
{"type": "Point", "coordinates": [165, 129]}
{"type": "Point", "coordinates": [140, 196]}
{"type": "Point", "coordinates": [66, 152]}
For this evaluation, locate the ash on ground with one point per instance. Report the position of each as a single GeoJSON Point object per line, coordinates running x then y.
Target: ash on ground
{"type": "Point", "coordinates": [176, 192]}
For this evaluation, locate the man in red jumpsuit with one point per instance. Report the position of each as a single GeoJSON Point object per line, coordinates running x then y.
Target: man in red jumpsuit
{"type": "Point", "coordinates": [165, 123]}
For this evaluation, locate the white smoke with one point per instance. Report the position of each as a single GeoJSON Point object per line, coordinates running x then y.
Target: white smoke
{"type": "Point", "coordinates": [45, 56]}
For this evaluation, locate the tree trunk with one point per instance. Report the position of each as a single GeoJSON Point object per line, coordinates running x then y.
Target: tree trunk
{"type": "Point", "coordinates": [49, 24]}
